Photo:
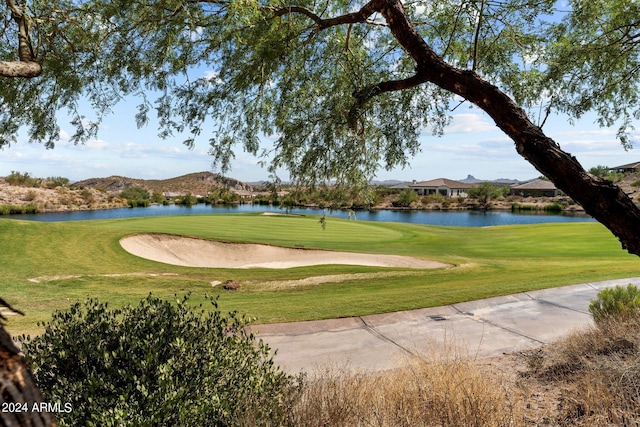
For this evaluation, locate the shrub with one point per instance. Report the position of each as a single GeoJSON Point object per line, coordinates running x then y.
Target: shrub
{"type": "Point", "coordinates": [553, 208]}
{"type": "Point", "coordinates": [30, 196]}
{"type": "Point", "coordinates": [433, 198]}
{"type": "Point", "coordinates": [517, 207]}
{"type": "Point", "coordinates": [156, 364]}
{"type": "Point", "coordinates": [57, 181]}
{"type": "Point", "coordinates": [136, 196]}
{"type": "Point", "coordinates": [87, 196]}
{"type": "Point", "coordinates": [617, 303]}
{"type": "Point", "coordinates": [485, 192]}
{"type": "Point", "coordinates": [186, 200]}
{"type": "Point", "coordinates": [22, 179]}
{"type": "Point", "coordinates": [30, 208]}
{"type": "Point", "coordinates": [222, 195]}
{"type": "Point", "coordinates": [158, 197]}
{"type": "Point", "coordinates": [594, 376]}
{"type": "Point", "coordinates": [405, 198]}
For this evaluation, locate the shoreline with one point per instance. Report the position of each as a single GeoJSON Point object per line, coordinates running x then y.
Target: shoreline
{"type": "Point", "coordinates": [532, 209]}
{"type": "Point", "coordinates": [34, 200]}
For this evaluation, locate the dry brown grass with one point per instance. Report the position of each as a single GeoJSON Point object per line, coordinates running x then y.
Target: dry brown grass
{"type": "Point", "coordinates": [595, 374]}
{"type": "Point", "coordinates": [58, 198]}
{"type": "Point", "coordinates": [590, 378]}
{"type": "Point", "coordinates": [441, 391]}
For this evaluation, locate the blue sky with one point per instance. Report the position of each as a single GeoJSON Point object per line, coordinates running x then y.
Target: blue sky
{"type": "Point", "coordinates": [472, 145]}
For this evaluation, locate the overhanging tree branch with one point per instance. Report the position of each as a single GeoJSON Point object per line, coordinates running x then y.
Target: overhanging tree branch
{"type": "Point", "coordinates": [361, 16]}
{"type": "Point", "coordinates": [27, 66]}
{"type": "Point", "coordinates": [602, 199]}
{"type": "Point", "coordinates": [363, 95]}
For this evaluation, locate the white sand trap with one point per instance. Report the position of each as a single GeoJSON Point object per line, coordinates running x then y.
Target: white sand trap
{"type": "Point", "coordinates": [191, 252]}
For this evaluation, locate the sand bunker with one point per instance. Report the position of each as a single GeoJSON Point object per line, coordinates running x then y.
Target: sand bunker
{"type": "Point", "coordinates": [191, 252]}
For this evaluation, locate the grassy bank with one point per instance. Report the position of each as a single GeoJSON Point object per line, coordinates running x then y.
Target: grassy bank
{"type": "Point", "coordinates": [49, 265]}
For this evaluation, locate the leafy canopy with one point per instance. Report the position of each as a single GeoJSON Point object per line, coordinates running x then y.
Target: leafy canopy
{"type": "Point", "coordinates": [327, 79]}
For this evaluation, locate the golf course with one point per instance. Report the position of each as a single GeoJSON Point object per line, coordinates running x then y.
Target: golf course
{"type": "Point", "coordinates": [48, 266]}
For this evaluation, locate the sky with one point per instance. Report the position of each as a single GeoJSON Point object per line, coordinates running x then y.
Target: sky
{"type": "Point", "coordinates": [472, 145]}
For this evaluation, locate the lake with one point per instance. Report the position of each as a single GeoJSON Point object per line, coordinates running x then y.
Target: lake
{"type": "Point", "coordinates": [449, 218]}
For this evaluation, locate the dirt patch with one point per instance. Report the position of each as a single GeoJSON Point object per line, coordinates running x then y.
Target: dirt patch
{"type": "Point", "coordinates": [330, 278]}
{"type": "Point", "coordinates": [192, 252]}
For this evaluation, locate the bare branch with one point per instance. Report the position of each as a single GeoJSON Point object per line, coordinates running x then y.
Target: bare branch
{"type": "Point", "coordinates": [369, 92]}
{"type": "Point", "coordinates": [476, 37]}
{"type": "Point", "coordinates": [361, 16]}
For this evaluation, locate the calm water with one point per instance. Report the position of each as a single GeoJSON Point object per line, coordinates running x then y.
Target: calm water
{"type": "Point", "coordinates": [457, 218]}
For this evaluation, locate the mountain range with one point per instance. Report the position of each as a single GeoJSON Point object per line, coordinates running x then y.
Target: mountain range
{"type": "Point", "coordinates": [196, 183]}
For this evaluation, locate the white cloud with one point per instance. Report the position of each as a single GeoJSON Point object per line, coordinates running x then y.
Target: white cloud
{"type": "Point", "coordinates": [213, 77]}
{"type": "Point", "coordinates": [469, 123]}
{"type": "Point", "coordinates": [64, 135]}
{"type": "Point", "coordinates": [96, 144]}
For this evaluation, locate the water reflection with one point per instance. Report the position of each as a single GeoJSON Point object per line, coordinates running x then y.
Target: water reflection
{"type": "Point", "coordinates": [447, 218]}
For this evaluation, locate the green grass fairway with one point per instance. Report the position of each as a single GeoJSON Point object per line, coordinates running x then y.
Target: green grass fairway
{"type": "Point", "coordinates": [46, 266]}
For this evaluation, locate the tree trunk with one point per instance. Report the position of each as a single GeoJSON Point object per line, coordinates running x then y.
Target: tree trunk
{"type": "Point", "coordinates": [600, 198]}
{"type": "Point", "coordinates": [20, 397]}
{"type": "Point", "coordinates": [603, 200]}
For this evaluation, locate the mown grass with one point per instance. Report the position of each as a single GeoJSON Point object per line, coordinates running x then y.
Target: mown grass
{"type": "Point", "coordinates": [488, 262]}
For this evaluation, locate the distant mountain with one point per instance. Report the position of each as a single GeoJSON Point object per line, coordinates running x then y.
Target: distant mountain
{"type": "Point", "coordinates": [386, 183]}
{"type": "Point", "coordinates": [506, 181]}
{"type": "Point", "coordinates": [199, 183]}
{"type": "Point", "coordinates": [470, 179]}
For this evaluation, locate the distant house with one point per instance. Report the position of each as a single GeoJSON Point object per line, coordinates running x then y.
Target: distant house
{"type": "Point", "coordinates": [631, 167]}
{"type": "Point", "coordinates": [443, 186]}
{"type": "Point", "coordinates": [535, 188]}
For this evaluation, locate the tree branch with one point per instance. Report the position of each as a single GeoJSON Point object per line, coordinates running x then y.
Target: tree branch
{"type": "Point", "coordinates": [27, 66]}
{"type": "Point", "coordinates": [361, 16]}
{"type": "Point", "coordinates": [601, 199]}
{"type": "Point", "coordinates": [20, 69]}
{"type": "Point", "coordinates": [363, 95]}
{"type": "Point", "coordinates": [477, 36]}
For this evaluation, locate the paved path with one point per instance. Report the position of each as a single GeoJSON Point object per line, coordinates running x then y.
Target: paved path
{"type": "Point", "coordinates": [480, 328]}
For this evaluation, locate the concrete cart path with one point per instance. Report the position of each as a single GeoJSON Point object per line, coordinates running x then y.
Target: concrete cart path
{"type": "Point", "coordinates": [478, 328]}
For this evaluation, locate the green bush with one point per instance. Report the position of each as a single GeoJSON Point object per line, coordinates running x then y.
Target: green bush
{"type": "Point", "coordinates": [30, 208]}
{"type": "Point", "coordinates": [405, 198]}
{"type": "Point", "coordinates": [485, 192]}
{"type": "Point", "coordinates": [87, 196]}
{"type": "Point", "coordinates": [136, 196]}
{"type": "Point", "coordinates": [56, 181]}
{"type": "Point", "coordinates": [222, 195]}
{"type": "Point", "coordinates": [553, 208]}
{"type": "Point", "coordinates": [22, 179]}
{"type": "Point", "coordinates": [517, 207]}
{"type": "Point", "coordinates": [433, 198]}
{"type": "Point", "coordinates": [155, 364]}
{"type": "Point", "coordinates": [617, 303]}
{"type": "Point", "coordinates": [158, 197]}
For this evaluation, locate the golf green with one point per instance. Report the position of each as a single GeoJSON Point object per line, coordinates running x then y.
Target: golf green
{"type": "Point", "coordinates": [47, 266]}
